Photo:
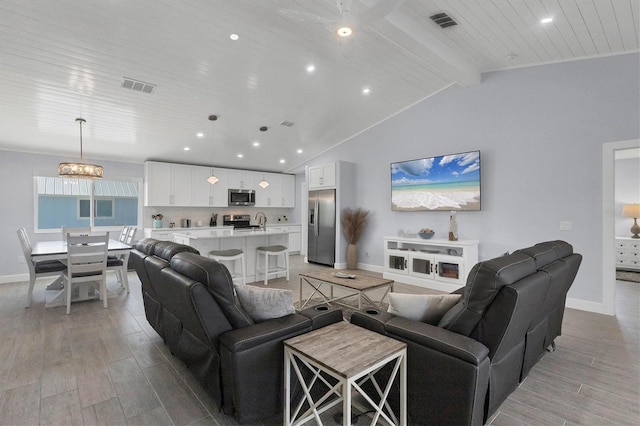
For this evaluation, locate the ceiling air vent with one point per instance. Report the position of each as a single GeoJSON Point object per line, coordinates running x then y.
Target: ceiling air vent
{"type": "Point", "coordinates": [287, 124]}
{"type": "Point", "coordinates": [443, 20]}
{"type": "Point", "coordinates": [138, 86]}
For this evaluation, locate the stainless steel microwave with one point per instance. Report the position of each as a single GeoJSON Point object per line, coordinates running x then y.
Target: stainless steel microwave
{"type": "Point", "coordinates": [242, 197]}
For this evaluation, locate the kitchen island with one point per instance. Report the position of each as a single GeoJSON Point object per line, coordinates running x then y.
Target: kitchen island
{"type": "Point", "coordinates": [205, 240]}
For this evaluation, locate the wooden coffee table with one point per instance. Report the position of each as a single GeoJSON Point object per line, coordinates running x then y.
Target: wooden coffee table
{"type": "Point", "coordinates": [351, 355]}
{"type": "Point", "coordinates": [359, 286]}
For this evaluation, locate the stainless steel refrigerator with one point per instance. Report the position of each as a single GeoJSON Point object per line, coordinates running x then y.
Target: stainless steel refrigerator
{"type": "Point", "coordinates": [322, 227]}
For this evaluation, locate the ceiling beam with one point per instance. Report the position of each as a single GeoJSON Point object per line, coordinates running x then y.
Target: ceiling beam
{"type": "Point", "coordinates": [425, 43]}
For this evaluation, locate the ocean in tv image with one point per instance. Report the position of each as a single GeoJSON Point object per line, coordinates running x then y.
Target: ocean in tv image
{"type": "Point", "coordinates": [448, 182]}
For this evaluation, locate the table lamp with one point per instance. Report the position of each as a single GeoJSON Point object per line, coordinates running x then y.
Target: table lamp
{"type": "Point", "coordinates": [633, 211]}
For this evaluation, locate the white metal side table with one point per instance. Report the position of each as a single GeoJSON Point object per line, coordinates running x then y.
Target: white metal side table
{"type": "Point", "coordinates": [351, 355]}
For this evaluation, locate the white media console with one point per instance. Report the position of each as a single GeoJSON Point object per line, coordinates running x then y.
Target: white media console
{"type": "Point", "coordinates": [430, 263]}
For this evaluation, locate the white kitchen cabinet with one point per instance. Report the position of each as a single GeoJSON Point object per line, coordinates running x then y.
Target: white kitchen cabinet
{"type": "Point", "coordinates": [167, 184]}
{"type": "Point", "coordinates": [322, 176]}
{"type": "Point", "coordinates": [295, 236]}
{"type": "Point", "coordinates": [288, 186]}
{"type": "Point", "coordinates": [437, 264]}
{"type": "Point", "coordinates": [271, 195]}
{"type": "Point", "coordinates": [204, 194]}
{"type": "Point", "coordinates": [181, 181]}
{"type": "Point", "coordinates": [157, 184]}
{"type": "Point", "coordinates": [158, 234]}
{"type": "Point", "coordinates": [279, 193]}
{"type": "Point", "coordinates": [241, 179]}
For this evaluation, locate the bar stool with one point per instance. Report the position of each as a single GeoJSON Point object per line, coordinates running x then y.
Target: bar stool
{"type": "Point", "coordinates": [272, 251]}
{"type": "Point", "coordinates": [228, 256]}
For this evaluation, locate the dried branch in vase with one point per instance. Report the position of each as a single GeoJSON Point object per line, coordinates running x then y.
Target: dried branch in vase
{"type": "Point", "coordinates": [353, 222]}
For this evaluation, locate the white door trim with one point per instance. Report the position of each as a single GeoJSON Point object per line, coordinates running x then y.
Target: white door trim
{"type": "Point", "coordinates": [608, 222]}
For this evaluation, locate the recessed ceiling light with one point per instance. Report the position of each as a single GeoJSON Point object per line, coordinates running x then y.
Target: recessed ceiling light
{"type": "Point", "coordinates": [256, 143]}
{"type": "Point", "coordinates": [546, 20]}
{"type": "Point", "coordinates": [234, 36]}
{"type": "Point", "coordinates": [282, 161]}
{"type": "Point", "coordinates": [311, 68]}
{"type": "Point", "coordinates": [186, 148]}
{"type": "Point", "coordinates": [366, 91]}
{"type": "Point", "coordinates": [240, 155]}
{"type": "Point", "coordinates": [299, 151]}
{"type": "Point", "coordinates": [200, 135]}
{"type": "Point", "coordinates": [344, 31]}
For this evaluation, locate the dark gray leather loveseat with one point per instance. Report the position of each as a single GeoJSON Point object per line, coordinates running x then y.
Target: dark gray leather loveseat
{"type": "Point", "coordinates": [462, 369]}
{"type": "Point", "coordinates": [189, 301]}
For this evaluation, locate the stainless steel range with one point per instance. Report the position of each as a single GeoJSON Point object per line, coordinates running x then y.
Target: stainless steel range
{"type": "Point", "coordinates": [238, 221]}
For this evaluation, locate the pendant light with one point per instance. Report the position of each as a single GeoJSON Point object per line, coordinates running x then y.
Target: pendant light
{"type": "Point", "coordinates": [80, 170]}
{"type": "Point", "coordinates": [212, 179]}
{"type": "Point", "coordinates": [263, 183]}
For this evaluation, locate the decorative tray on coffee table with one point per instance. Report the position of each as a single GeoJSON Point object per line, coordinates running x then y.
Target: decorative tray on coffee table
{"type": "Point", "coordinates": [343, 275]}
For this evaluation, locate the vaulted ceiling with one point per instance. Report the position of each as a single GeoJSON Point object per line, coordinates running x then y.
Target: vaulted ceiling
{"type": "Point", "coordinates": [64, 59]}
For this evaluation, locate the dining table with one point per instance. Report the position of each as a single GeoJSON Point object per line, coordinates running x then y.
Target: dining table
{"type": "Point", "coordinates": [57, 250]}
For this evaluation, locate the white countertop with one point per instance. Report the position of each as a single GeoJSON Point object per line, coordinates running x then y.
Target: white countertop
{"type": "Point", "coordinates": [204, 234]}
{"type": "Point", "coordinates": [203, 228]}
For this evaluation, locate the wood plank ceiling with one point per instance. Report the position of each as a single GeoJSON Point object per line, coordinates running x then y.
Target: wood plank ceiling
{"type": "Point", "coordinates": [65, 59]}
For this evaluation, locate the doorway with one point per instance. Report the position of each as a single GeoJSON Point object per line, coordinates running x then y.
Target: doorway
{"type": "Point", "coordinates": [608, 222]}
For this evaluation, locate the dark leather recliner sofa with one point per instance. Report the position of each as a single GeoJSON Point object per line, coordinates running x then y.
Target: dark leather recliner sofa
{"type": "Point", "coordinates": [189, 301]}
{"type": "Point", "coordinates": [511, 310]}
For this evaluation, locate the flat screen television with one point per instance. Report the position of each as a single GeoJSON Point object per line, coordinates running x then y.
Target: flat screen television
{"type": "Point", "coordinates": [448, 182]}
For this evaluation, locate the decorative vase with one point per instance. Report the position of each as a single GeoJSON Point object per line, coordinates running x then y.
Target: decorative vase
{"type": "Point", "coordinates": [453, 227]}
{"type": "Point", "coordinates": [352, 256]}
{"type": "Point", "coordinates": [157, 223]}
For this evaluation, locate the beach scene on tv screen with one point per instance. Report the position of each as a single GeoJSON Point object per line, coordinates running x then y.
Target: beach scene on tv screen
{"type": "Point", "coordinates": [448, 182]}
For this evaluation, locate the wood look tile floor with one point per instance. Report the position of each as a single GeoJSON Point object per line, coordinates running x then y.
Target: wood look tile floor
{"type": "Point", "coordinates": [109, 367]}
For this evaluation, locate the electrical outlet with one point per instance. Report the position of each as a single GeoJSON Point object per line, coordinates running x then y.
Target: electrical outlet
{"type": "Point", "coordinates": [566, 225]}
{"type": "Point", "coordinates": [367, 253]}
{"type": "Point", "coordinates": [21, 260]}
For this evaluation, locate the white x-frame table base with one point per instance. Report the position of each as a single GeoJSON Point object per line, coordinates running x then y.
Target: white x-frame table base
{"type": "Point", "coordinates": [349, 377]}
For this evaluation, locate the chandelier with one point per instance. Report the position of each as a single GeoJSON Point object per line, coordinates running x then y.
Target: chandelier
{"type": "Point", "coordinates": [80, 170]}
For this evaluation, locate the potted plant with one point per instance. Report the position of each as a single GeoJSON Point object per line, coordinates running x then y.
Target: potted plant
{"type": "Point", "coordinates": [353, 223]}
{"type": "Point", "coordinates": [157, 220]}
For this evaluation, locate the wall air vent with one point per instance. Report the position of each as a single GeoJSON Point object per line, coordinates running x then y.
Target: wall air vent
{"type": "Point", "coordinates": [443, 20]}
{"type": "Point", "coordinates": [138, 86]}
{"type": "Point", "coordinates": [287, 124]}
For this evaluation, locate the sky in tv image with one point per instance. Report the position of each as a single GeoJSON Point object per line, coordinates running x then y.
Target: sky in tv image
{"type": "Point", "coordinates": [448, 182]}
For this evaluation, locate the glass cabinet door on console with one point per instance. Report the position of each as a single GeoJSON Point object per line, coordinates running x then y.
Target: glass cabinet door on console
{"type": "Point", "coordinates": [433, 263]}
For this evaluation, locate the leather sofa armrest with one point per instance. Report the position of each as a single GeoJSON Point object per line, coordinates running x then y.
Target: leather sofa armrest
{"type": "Point", "coordinates": [427, 335]}
{"type": "Point", "coordinates": [322, 315]}
{"type": "Point", "coordinates": [252, 361]}
{"type": "Point", "coordinates": [242, 339]}
{"type": "Point", "coordinates": [448, 373]}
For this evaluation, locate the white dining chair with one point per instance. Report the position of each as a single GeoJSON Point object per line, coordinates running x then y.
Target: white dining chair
{"type": "Point", "coordinates": [74, 231]}
{"type": "Point", "coordinates": [86, 263]}
{"type": "Point", "coordinates": [119, 263]}
{"type": "Point", "coordinates": [37, 269]}
{"type": "Point", "coordinates": [123, 234]}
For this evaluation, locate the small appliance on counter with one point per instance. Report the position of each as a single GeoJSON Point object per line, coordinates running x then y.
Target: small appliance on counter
{"type": "Point", "coordinates": [185, 223]}
{"type": "Point", "coordinates": [214, 219]}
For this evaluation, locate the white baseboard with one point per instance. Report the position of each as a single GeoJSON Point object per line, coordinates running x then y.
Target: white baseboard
{"type": "Point", "coordinates": [5, 279]}
{"type": "Point", "coordinates": [585, 305]}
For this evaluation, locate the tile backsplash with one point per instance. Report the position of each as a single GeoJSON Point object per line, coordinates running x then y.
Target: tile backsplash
{"type": "Point", "coordinates": [203, 214]}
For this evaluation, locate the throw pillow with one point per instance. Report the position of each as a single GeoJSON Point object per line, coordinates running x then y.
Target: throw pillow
{"type": "Point", "coordinates": [265, 303]}
{"type": "Point", "coordinates": [427, 308]}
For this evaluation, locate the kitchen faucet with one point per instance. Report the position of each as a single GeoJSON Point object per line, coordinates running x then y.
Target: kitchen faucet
{"type": "Point", "coordinates": [262, 221]}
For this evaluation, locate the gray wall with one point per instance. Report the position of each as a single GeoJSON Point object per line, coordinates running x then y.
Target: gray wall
{"type": "Point", "coordinates": [540, 131]}
{"type": "Point", "coordinates": [627, 176]}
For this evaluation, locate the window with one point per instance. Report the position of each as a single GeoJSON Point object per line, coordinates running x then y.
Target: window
{"type": "Point", "coordinates": [102, 208]}
{"type": "Point", "coordinates": [77, 203]}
